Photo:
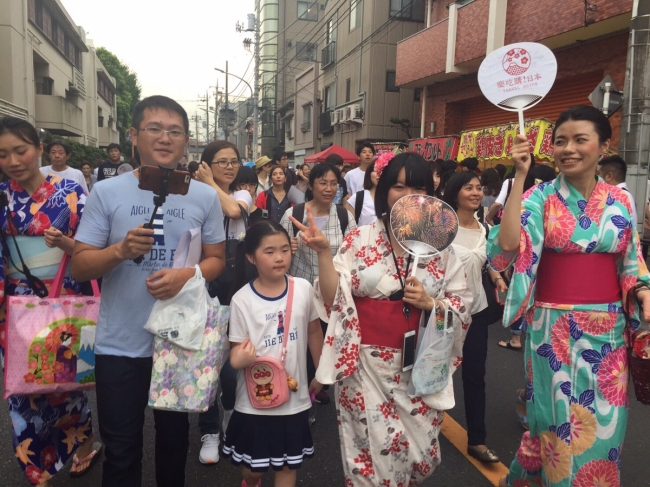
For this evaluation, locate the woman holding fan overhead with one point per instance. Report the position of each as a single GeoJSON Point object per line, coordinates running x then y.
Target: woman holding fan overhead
{"type": "Point", "coordinates": [578, 278]}
{"type": "Point", "coordinates": [372, 298]}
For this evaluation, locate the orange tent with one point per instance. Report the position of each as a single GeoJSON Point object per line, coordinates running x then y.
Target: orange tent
{"type": "Point", "coordinates": [348, 157]}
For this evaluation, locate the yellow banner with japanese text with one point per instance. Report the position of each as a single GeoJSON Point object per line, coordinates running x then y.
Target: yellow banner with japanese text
{"type": "Point", "coordinates": [494, 143]}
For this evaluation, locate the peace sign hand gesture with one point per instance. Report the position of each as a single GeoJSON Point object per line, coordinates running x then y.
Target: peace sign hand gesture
{"type": "Point", "coordinates": [310, 235]}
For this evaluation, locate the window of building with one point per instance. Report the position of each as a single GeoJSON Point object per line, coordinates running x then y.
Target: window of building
{"type": "Point", "coordinates": [390, 82]}
{"type": "Point", "coordinates": [348, 89]}
{"type": "Point", "coordinates": [330, 96]}
{"type": "Point", "coordinates": [44, 86]}
{"type": "Point", "coordinates": [330, 30]}
{"type": "Point", "coordinates": [306, 118]}
{"type": "Point", "coordinates": [104, 91]}
{"type": "Point", "coordinates": [100, 117]}
{"type": "Point", "coordinates": [412, 10]}
{"type": "Point", "coordinates": [308, 11]}
{"type": "Point", "coordinates": [306, 51]}
{"type": "Point", "coordinates": [417, 94]}
{"type": "Point", "coordinates": [356, 11]}
{"type": "Point", "coordinates": [47, 24]}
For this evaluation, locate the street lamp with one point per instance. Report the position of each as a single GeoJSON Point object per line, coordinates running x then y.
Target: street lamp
{"type": "Point", "coordinates": [255, 110]}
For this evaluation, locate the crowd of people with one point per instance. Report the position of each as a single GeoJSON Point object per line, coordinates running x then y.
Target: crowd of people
{"type": "Point", "coordinates": [562, 249]}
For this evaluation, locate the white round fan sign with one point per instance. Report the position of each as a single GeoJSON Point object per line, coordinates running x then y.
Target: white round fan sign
{"type": "Point", "coordinates": [518, 76]}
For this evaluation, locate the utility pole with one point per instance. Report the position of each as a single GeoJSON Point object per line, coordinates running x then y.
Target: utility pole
{"type": "Point", "coordinates": [257, 80]}
{"type": "Point", "coordinates": [225, 125]}
{"type": "Point", "coordinates": [635, 123]}
{"type": "Point", "coordinates": [216, 108]}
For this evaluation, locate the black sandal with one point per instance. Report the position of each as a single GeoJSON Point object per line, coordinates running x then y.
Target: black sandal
{"type": "Point", "coordinates": [509, 346]}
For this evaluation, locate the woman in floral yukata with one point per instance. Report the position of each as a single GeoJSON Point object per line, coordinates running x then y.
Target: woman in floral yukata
{"type": "Point", "coordinates": [387, 438]}
{"type": "Point", "coordinates": [577, 279]}
{"type": "Point", "coordinates": [47, 428]}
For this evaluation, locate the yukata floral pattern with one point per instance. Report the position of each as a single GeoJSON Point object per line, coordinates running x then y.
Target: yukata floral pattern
{"type": "Point", "coordinates": [387, 438]}
{"type": "Point", "coordinates": [47, 429]}
{"type": "Point", "coordinates": [186, 380]}
{"type": "Point", "coordinates": [575, 362]}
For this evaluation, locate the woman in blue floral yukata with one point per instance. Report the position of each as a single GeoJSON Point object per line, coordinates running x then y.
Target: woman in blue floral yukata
{"type": "Point", "coordinates": [45, 213]}
{"type": "Point", "coordinates": [578, 278]}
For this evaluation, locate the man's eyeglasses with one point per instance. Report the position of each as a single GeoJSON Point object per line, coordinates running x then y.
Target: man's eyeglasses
{"type": "Point", "coordinates": [224, 164]}
{"type": "Point", "coordinates": [157, 132]}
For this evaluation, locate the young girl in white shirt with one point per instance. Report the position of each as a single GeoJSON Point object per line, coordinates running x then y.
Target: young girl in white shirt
{"type": "Point", "coordinates": [278, 437]}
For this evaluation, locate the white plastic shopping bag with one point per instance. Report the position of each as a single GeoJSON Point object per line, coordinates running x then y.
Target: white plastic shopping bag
{"type": "Point", "coordinates": [431, 371]}
{"type": "Point", "coordinates": [182, 319]}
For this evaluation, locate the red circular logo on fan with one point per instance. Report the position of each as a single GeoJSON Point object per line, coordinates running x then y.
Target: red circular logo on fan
{"type": "Point", "coordinates": [516, 61]}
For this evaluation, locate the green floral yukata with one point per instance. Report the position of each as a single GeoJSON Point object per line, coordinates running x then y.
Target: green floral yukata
{"type": "Point", "coordinates": [575, 361]}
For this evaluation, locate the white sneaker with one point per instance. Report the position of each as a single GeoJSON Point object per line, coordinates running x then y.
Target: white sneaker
{"type": "Point", "coordinates": [209, 450]}
{"type": "Point", "coordinates": [227, 413]}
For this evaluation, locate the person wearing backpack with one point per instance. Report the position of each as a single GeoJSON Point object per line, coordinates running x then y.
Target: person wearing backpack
{"type": "Point", "coordinates": [333, 220]}
{"type": "Point", "coordinates": [362, 203]}
{"type": "Point", "coordinates": [273, 321]}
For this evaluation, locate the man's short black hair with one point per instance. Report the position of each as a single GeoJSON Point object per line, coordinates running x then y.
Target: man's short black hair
{"type": "Point", "coordinates": [616, 165]}
{"type": "Point", "coordinates": [112, 146]}
{"type": "Point", "coordinates": [366, 145]}
{"type": "Point", "coordinates": [66, 147]}
{"type": "Point", "coordinates": [159, 101]}
{"type": "Point", "coordinates": [471, 163]}
{"type": "Point", "coordinates": [334, 160]}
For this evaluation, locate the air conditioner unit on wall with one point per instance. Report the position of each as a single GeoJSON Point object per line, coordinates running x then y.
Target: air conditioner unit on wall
{"type": "Point", "coordinates": [335, 117]}
{"type": "Point", "coordinates": [356, 114]}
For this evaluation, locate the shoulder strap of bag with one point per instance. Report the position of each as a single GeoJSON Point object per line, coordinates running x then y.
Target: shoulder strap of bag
{"type": "Point", "coordinates": [487, 234]}
{"type": "Point", "coordinates": [358, 205]}
{"type": "Point", "coordinates": [343, 218]}
{"type": "Point", "coordinates": [509, 189]}
{"type": "Point", "coordinates": [298, 214]}
{"type": "Point", "coordinates": [287, 318]}
{"type": "Point", "coordinates": [244, 216]}
{"type": "Point", "coordinates": [269, 204]}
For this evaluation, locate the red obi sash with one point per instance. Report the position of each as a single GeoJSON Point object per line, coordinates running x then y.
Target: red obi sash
{"type": "Point", "coordinates": [383, 323]}
{"type": "Point", "coordinates": [577, 278]}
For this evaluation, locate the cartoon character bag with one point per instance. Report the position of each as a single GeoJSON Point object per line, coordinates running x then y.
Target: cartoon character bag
{"type": "Point", "coordinates": [267, 382]}
{"type": "Point", "coordinates": [51, 340]}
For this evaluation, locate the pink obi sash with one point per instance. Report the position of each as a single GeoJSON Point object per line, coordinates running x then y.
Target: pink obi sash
{"type": "Point", "coordinates": [383, 323]}
{"type": "Point", "coordinates": [577, 278]}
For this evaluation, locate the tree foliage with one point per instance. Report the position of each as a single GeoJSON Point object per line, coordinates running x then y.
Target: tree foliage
{"type": "Point", "coordinates": [404, 124]}
{"type": "Point", "coordinates": [128, 93]}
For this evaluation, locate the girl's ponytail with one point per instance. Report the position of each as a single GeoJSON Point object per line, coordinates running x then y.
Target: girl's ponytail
{"type": "Point", "coordinates": [242, 270]}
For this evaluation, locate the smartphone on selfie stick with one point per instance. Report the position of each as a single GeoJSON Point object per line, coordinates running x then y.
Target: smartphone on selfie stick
{"type": "Point", "coordinates": [162, 182]}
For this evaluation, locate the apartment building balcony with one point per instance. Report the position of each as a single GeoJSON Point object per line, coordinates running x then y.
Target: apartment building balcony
{"type": "Point", "coordinates": [10, 110]}
{"type": "Point", "coordinates": [422, 58]}
{"type": "Point", "coordinates": [328, 55]}
{"type": "Point", "coordinates": [59, 116]}
{"type": "Point", "coordinates": [78, 84]}
{"type": "Point", "coordinates": [107, 135]}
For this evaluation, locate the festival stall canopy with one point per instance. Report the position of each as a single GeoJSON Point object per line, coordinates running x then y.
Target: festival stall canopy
{"type": "Point", "coordinates": [348, 157]}
{"type": "Point", "coordinates": [492, 145]}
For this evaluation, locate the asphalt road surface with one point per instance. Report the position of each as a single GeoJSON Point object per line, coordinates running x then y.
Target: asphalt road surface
{"type": "Point", "coordinates": [505, 375]}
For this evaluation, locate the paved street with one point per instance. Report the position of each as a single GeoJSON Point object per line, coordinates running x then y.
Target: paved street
{"type": "Point", "coordinates": [504, 376]}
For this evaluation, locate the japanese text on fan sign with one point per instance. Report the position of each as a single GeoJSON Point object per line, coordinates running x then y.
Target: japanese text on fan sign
{"type": "Point", "coordinates": [518, 82]}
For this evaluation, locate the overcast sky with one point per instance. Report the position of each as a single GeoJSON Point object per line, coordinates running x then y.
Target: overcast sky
{"type": "Point", "coordinates": [172, 45]}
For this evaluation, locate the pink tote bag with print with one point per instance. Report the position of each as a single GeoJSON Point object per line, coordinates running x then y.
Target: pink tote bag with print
{"type": "Point", "coordinates": [50, 342]}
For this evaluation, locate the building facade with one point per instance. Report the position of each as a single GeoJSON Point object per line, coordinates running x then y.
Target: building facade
{"type": "Point", "coordinates": [336, 81]}
{"type": "Point", "coordinates": [589, 40]}
{"type": "Point", "coordinates": [51, 75]}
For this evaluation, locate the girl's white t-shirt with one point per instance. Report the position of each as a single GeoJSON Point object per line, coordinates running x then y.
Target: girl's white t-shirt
{"type": "Point", "coordinates": [260, 319]}
{"type": "Point", "coordinates": [237, 228]}
{"type": "Point", "coordinates": [368, 215]}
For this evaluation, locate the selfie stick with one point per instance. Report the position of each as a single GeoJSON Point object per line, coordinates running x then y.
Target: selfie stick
{"type": "Point", "coordinates": [158, 200]}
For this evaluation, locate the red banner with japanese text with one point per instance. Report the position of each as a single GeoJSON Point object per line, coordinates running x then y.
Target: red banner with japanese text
{"type": "Point", "coordinates": [434, 148]}
{"type": "Point", "coordinates": [494, 143]}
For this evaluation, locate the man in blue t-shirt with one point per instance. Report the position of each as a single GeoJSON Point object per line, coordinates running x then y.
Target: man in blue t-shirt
{"type": "Point", "coordinates": [110, 237]}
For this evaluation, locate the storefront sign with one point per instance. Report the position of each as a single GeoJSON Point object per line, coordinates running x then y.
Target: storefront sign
{"type": "Point", "coordinates": [434, 148]}
{"type": "Point", "coordinates": [383, 147]}
{"type": "Point", "coordinates": [496, 142]}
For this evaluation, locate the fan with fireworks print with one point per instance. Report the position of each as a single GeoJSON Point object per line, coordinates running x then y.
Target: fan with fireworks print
{"type": "Point", "coordinates": [423, 225]}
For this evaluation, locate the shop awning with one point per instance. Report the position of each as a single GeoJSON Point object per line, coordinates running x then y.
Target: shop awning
{"type": "Point", "coordinates": [492, 145]}
{"type": "Point", "coordinates": [348, 157]}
